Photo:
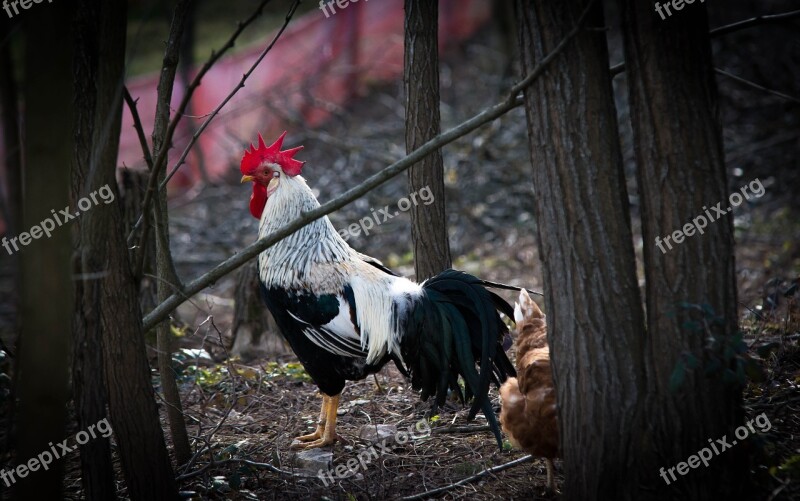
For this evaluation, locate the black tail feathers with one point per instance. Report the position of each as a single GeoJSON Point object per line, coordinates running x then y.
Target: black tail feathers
{"type": "Point", "coordinates": [452, 328]}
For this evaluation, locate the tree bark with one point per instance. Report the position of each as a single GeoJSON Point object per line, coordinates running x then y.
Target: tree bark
{"type": "Point", "coordinates": [680, 171]}
{"type": "Point", "coordinates": [428, 222]}
{"type": "Point", "coordinates": [107, 312]}
{"type": "Point", "coordinates": [46, 274]}
{"type": "Point", "coordinates": [592, 300]}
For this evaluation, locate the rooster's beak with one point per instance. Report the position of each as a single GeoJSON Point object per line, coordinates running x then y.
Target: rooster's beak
{"type": "Point", "coordinates": [246, 179]}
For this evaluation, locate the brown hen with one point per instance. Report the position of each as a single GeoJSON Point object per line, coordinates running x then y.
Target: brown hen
{"type": "Point", "coordinates": [528, 414]}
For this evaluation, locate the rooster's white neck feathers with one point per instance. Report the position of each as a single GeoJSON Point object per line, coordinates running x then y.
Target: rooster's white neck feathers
{"type": "Point", "coordinates": [313, 256]}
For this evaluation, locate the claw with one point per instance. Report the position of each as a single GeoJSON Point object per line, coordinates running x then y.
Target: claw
{"type": "Point", "coordinates": [311, 436]}
{"type": "Point", "coordinates": [325, 434]}
{"type": "Point", "coordinates": [322, 442]}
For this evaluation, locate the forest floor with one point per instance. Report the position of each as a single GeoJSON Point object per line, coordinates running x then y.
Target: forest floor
{"type": "Point", "coordinates": [243, 415]}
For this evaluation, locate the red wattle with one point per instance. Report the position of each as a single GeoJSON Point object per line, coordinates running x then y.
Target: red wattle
{"type": "Point", "coordinates": [258, 200]}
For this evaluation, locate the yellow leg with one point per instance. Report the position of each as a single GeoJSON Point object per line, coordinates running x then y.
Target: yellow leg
{"type": "Point", "coordinates": [323, 416]}
{"type": "Point", "coordinates": [328, 429]}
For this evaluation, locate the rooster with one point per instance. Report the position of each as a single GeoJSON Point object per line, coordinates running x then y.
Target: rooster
{"type": "Point", "coordinates": [528, 402]}
{"type": "Point", "coordinates": [345, 315]}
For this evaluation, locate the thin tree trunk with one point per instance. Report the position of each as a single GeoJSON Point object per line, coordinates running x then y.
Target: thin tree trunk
{"type": "Point", "coordinates": [46, 274]}
{"type": "Point", "coordinates": [428, 222]}
{"type": "Point", "coordinates": [681, 170]}
{"type": "Point", "coordinates": [167, 276]}
{"type": "Point", "coordinates": [9, 104]}
{"type": "Point", "coordinates": [10, 109]}
{"type": "Point", "coordinates": [593, 305]}
{"type": "Point", "coordinates": [108, 307]}
{"type": "Point", "coordinates": [255, 333]}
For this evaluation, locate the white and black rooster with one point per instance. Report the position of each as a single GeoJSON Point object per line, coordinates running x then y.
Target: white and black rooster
{"type": "Point", "coordinates": [345, 315]}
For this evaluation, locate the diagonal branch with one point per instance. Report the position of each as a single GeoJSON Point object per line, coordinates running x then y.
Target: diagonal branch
{"type": "Point", "coordinates": [137, 125]}
{"type": "Point", "coordinates": [756, 86]}
{"type": "Point", "coordinates": [465, 481]}
{"type": "Point", "coordinates": [464, 128]}
{"type": "Point", "coordinates": [755, 21]}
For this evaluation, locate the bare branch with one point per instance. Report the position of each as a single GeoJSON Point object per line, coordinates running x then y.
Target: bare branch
{"type": "Point", "coordinates": [233, 92]}
{"type": "Point", "coordinates": [252, 250]}
{"type": "Point", "coordinates": [137, 125]}
{"type": "Point", "coordinates": [477, 476]}
{"type": "Point", "coordinates": [756, 86]}
{"type": "Point", "coordinates": [755, 21]}
{"type": "Point", "coordinates": [254, 464]}
{"type": "Point", "coordinates": [161, 159]}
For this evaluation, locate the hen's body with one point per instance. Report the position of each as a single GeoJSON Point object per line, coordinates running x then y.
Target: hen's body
{"type": "Point", "coordinates": [345, 315]}
{"type": "Point", "coordinates": [528, 414]}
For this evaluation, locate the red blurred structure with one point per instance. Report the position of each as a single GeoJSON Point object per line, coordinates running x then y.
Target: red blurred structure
{"type": "Point", "coordinates": [317, 65]}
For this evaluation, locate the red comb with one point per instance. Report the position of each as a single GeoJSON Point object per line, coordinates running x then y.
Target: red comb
{"type": "Point", "coordinates": [256, 156]}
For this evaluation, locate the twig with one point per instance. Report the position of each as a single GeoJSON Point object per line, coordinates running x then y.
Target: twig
{"type": "Point", "coordinates": [756, 86]}
{"type": "Point", "coordinates": [464, 128]}
{"type": "Point", "coordinates": [161, 160]}
{"type": "Point", "coordinates": [462, 429]}
{"type": "Point", "coordinates": [619, 68]}
{"type": "Point", "coordinates": [137, 125]}
{"type": "Point", "coordinates": [755, 21]}
{"type": "Point", "coordinates": [233, 92]}
{"type": "Point", "coordinates": [477, 476]}
{"type": "Point", "coordinates": [148, 158]}
{"type": "Point", "coordinates": [254, 464]}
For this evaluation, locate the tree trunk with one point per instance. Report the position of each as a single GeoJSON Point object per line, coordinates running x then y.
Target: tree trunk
{"type": "Point", "coordinates": [680, 171]}
{"type": "Point", "coordinates": [10, 116]}
{"type": "Point", "coordinates": [133, 185]}
{"type": "Point", "coordinates": [88, 376]}
{"type": "Point", "coordinates": [108, 312]}
{"type": "Point", "coordinates": [428, 222]}
{"type": "Point", "coordinates": [255, 333]}
{"type": "Point", "coordinates": [46, 274]}
{"type": "Point", "coordinates": [9, 106]}
{"type": "Point", "coordinates": [167, 276]}
{"type": "Point", "coordinates": [592, 300]}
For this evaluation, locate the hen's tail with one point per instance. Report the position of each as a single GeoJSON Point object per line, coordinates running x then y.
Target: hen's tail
{"type": "Point", "coordinates": [451, 328]}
